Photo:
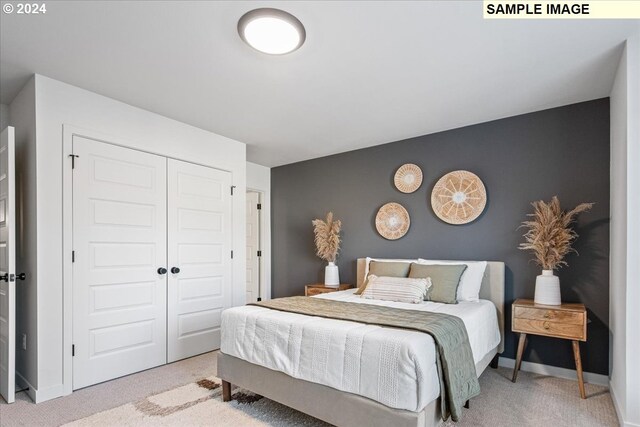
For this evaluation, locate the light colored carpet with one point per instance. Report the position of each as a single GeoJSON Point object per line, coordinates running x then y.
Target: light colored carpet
{"type": "Point", "coordinates": [100, 397]}
{"type": "Point", "coordinates": [178, 394]}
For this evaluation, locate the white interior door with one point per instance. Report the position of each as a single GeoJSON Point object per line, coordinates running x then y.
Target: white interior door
{"type": "Point", "coordinates": [199, 257]}
{"type": "Point", "coordinates": [7, 265]}
{"type": "Point", "coordinates": [119, 243]}
{"type": "Point", "coordinates": [253, 246]}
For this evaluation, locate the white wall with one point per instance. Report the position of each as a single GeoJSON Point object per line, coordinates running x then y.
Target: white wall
{"type": "Point", "coordinates": [4, 116]}
{"type": "Point", "coordinates": [618, 236]}
{"type": "Point", "coordinates": [633, 230]}
{"type": "Point", "coordinates": [624, 315]}
{"type": "Point", "coordinates": [23, 114]}
{"type": "Point", "coordinates": [259, 179]}
{"type": "Point", "coordinates": [59, 104]}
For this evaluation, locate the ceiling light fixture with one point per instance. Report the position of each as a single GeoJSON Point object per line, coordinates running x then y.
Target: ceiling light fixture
{"type": "Point", "coordinates": [271, 31]}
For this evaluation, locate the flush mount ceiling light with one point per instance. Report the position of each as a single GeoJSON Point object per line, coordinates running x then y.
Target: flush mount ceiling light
{"type": "Point", "coordinates": [271, 31]}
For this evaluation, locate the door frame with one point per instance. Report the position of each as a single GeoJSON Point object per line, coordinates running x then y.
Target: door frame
{"type": "Point", "coordinates": [264, 243]}
{"type": "Point", "coordinates": [10, 221]}
{"type": "Point", "coordinates": [68, 132]}
{"type": "Point", "coordinates": [260, 242]}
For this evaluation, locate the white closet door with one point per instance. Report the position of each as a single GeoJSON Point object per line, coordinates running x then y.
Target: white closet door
{"type": "Point", "coordinates": [199, 257]}
{"type": "Point", "coordinates": [253, 246]}
{"type": "Point", "coordinates": [7, 265]}
{"type": "Point", "coordinates": [119, 241]}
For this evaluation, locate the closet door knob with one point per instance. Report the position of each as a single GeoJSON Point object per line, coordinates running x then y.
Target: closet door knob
{"type": "Point", "coordinates": [162, 271]}
{"type": "Point", "coordinates": [175, 270]}
{"type": "Point", "coordinates": [21, 276]}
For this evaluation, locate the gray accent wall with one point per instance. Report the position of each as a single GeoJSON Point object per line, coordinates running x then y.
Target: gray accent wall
{"type": "Point", "coordinates": [4, 116]}
{"type": "Point", "coordinates": [562, 151]}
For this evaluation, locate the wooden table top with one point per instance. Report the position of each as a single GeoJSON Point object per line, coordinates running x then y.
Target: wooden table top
{"type": "Point", "coordinates": [570, 306]}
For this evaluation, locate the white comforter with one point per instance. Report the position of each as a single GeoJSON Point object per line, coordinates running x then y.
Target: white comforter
{"type": "Point", "coordinates": [392, 366]}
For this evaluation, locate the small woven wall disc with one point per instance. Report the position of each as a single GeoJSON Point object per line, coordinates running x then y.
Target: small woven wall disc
{"type": "Point", "coordinates": [392, 221]}
{"type": "Point", "coordinates": [408, 178]}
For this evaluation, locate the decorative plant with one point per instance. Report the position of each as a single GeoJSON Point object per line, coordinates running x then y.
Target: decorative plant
{"type": "Point", "coordinates": [549, 233]}
{"type": "Point", "coordinates": [327, 237]}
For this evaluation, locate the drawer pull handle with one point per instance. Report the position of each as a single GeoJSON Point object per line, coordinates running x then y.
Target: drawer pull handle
{"type": "Point", "coordinates": [547, 315]}
{"type": "Point", "coordinates": [546, 325]}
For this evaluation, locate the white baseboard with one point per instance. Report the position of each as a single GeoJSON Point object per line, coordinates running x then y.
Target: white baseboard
{"type": "Point", "coordinates": [36, 395]}
{"type": "Point", "coordinates": [49, 393]}
{"type": "Point", "coordinates": [554, 371]}
{"type": "Point", "coordinates": [616, 404]}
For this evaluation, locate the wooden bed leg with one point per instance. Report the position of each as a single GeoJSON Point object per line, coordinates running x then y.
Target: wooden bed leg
{"type": "Point", "coordinates": [495, 360]}
{"type": "Point", "coordinates": [226, 391]}
{"type": "Point", "coordinates": [466, 405]}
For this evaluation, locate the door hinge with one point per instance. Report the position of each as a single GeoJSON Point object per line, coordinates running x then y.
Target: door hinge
{"type": "Point", "coordinates": [73, 160]}
{"type": "Point", "coordinates": [232, 187]}
{"type": "Point", "coordinates": [259, 206]}
{"type": "Point", "coordinates": [231, 254]}
{"type": "Point", "coordinates": [73, 350]}
{"type": "Point", "coordinates": [259, 253]}
{"type": "Point", "coordinates": [73, 256]}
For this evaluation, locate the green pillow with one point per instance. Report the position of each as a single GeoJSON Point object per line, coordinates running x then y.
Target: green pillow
{"type": "Point", "coordinates": [387, 269]}
{"type": "Point", "coordinates": [444, 280]}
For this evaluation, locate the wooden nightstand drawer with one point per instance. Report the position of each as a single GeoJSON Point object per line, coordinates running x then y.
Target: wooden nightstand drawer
{"type": "Point", "coordinates": [550, 328]}
{"type": "Point", "coordinates": [550, 315]}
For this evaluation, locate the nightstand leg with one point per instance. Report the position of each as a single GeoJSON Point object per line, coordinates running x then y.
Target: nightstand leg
{"type": "Point", "coordinates": [576, 356]}
{"type": "Point", "coordinates": [516, 368]}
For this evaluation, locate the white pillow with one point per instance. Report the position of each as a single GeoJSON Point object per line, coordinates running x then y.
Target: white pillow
{"type": "Point", "coordinates": [401, 289]}
{"type": "Point", "coordinates": [471, 280]}
{"type": "Point", "coordinates": [368, 260]}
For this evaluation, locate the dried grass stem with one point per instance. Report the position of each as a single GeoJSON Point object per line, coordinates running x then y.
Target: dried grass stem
{"type": "Point", "coordinates": [550, 234]}
{"type": "Point", "coordinates": [327, 237]}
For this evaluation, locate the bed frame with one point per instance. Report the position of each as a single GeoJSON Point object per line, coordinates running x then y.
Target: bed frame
{"type": "Point", "coordinates": [346, 409]}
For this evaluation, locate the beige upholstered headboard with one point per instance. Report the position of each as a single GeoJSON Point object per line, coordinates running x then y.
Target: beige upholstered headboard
{"type": "Point", "coordinates": [492, 289]}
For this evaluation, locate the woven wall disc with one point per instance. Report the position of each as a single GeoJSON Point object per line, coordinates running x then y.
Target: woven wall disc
{"type": "Point", "coordinates": [458, 197]}
{"type": "Point", "coordinates": [408, 178]}
{"type": "Point", "coordinates": [392, 221]}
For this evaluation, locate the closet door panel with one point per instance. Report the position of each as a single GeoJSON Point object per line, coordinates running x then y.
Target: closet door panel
{"type": "Point", "coordinates": [199, 244]}
{"type": "Point", "coordinates": [119, 240]}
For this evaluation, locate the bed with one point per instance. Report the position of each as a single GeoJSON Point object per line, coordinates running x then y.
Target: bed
{"type": "Point", "coordinates": [351, 374]}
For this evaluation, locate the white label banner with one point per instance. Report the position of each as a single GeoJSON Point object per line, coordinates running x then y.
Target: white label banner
{"type": "Point", "coordinates": [588, 9]}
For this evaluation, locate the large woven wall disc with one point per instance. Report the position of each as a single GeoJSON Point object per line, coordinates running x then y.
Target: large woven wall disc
{"type": "Point", "coordinates": [408, 178]}
{"type": "Point", "coordinates": [459, 197]}
{"type": "Point", "coordinates": [392, 221]}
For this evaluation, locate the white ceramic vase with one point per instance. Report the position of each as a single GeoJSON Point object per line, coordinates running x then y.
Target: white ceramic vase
{"type": "Point", "coordinates": [547, 289]}
{"type": "Point", "coordinates": [331, 275]}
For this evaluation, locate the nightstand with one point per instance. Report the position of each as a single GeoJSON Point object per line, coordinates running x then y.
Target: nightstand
{"type": "Point", "coordinates": [321, 288]}
{"type": "Point", "coordinates": [566, 321]}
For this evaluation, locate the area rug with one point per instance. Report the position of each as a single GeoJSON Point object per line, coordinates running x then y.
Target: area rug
{"type": "Point", "coordinates": [534, 401]}
{"type": "Point", "coordinates": [200, 404]}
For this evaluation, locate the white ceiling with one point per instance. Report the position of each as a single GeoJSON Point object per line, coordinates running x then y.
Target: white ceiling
{"type": "Point", "coordinates": [368, 73]}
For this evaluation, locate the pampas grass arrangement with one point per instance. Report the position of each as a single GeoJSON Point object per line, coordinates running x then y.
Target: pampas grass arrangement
{"type": "Point", "coordinates": [327, 237]}
{"type": "Point", "coordinates": [549, 234]}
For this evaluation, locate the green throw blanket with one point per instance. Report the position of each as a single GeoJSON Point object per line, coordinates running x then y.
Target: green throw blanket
{"type": "Point", "coordinates": [456, 370]}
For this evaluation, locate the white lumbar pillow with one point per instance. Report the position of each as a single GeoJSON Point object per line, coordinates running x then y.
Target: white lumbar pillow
{"type": "Point", "coordinates": [400, 289]}
{"type": "Point", "coordinates": [471, 280]}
